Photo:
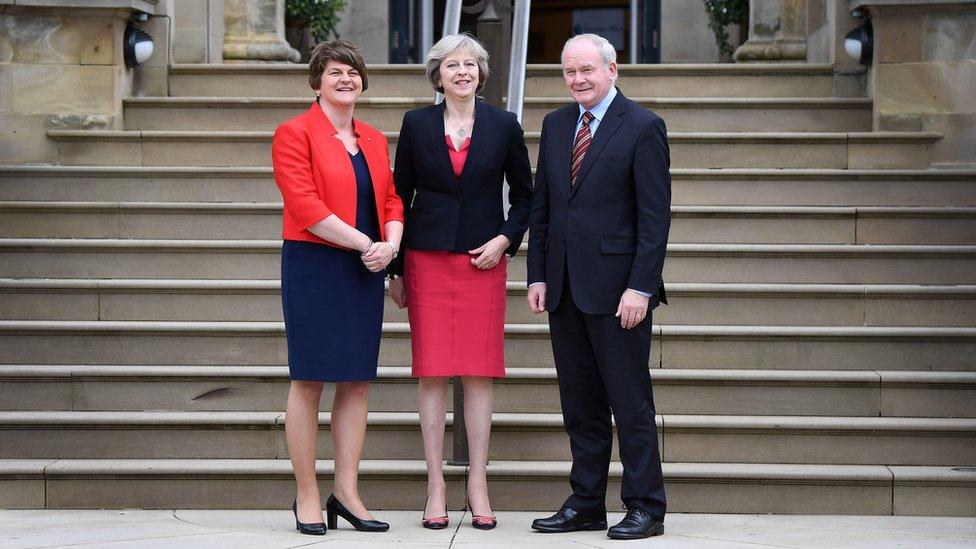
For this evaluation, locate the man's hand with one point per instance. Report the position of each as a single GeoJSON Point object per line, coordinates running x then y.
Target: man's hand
{"type": "Point", "coordinates": [537, 297]}
{"type": "Point", "coordinates": [632, 309]}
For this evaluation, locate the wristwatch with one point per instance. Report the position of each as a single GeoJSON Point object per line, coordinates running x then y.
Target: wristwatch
{"type": "Point", "coordinates": [395, 251]}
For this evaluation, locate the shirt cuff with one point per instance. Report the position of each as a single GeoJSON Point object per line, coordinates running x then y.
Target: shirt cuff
{"type": "Point", "coordinates": [534, 283]}
{"type": "Point", "coordinates": [645, 294]}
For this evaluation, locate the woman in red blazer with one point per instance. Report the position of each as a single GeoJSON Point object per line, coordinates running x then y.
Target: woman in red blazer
{"type": "Point", "coordinates": [342, 224]}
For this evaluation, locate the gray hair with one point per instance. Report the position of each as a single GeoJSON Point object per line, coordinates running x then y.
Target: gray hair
{"type": "Point", "coordinates": [606, 49]}
{"type": "Point", "coordinates": [448, 45]}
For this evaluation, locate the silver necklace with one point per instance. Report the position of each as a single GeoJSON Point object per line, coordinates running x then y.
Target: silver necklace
{"type": "Point", "coordinates": [461, 129]}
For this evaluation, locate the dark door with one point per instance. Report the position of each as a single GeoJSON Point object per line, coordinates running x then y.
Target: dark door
{"type": "Point", "coordinates": [650, 39]}
{"type": "Point", "coordinates": [552, 22]}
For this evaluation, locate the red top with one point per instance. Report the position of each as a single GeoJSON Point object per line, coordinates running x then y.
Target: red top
{"type": "Point", "coordinates": [458, 157]}
{"type": "Point", "coordinates": [316, 178]}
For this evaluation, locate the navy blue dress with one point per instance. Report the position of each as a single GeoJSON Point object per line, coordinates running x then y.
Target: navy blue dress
{"type": "Point", "coordinates": [332, 304]}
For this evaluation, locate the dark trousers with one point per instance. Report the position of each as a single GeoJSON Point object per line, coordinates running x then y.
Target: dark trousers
{"type": "Point", "coordinates": [603, 369]}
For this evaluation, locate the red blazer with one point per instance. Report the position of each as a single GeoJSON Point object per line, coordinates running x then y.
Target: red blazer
{"type": "Point", "coordinates": [313, 171]}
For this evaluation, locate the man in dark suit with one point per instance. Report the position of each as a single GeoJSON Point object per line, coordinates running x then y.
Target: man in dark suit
{"type": "Point", "coordinates": [599, 230]}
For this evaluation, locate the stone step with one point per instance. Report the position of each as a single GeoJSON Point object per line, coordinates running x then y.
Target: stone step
{"type": "Point", "coordinates": [526, 345]}
{"type": "Point", "coordinates": [720, 224]}
{"type": "Point", "coordinates": [676, 391]}
{"type": "Point", "coordinates": [687, 114]}
{"type": "Point", "coordinates": [690, 224]}
{"type": "Point", "coordinates": [733, 187]}
{"type": "Point", "coordinates": [525, 485]}
{"type": "Point", "coordinates": [726, 263]}
{"type": "Point", "coordinates": [836, 150]}
{"type": "Point", "coordinates": [671, 80]}
{"type": "Point", "coordinates": [690, 303]}
{"type": "Point", "coordinates": [515, 437]}
{"type": "Point", "coordinates": [815, 187]}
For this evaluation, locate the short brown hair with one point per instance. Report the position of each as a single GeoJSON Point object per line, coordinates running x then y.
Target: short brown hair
{"type": "Point", "coordinates": [340, 51]}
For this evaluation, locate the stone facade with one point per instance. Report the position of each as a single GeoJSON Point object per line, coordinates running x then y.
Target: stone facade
{"type": "Point", "coordinates": [57, 70]}
{"type": "Point", "coordinates": [828, 22]}
{"type": "Point", "coordinates": [366, 23]}
{"type": "Point", "coordinates": [198, 31]}
{"type": "Point", "coordinates": [924, 72]}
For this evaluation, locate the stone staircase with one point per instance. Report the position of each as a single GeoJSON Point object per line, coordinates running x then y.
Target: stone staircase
{"type": "Point", "coordinates": [819, 355]}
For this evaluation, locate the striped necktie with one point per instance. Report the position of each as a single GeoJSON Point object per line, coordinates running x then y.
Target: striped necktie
{"type": "Point", "coordinates": [581, 144]}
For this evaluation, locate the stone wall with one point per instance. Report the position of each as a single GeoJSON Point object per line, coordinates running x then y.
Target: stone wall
{"type": "Point", "coordinates": [63, 69]}
{"type": "Point", "coordinates": [828, 22]}
{"type": "Point", "coordinates": [366, 23]}
{"type": "Point", "coordinates": [924, 73]}
{"type": "Point", "coordinates": [198, 31]}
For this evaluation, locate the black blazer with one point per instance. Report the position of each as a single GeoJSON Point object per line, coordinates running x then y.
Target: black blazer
{"type": "Point", "coordinates": [610, 230]}
{"type": "Point", "coordinates": [444, 212]}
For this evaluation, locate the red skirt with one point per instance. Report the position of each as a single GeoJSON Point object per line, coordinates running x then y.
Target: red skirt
{"type": "Point", "coordinates": [457, 315]}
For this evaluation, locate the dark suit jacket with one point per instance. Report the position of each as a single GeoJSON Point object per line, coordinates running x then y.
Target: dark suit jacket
{"type": "Point", "coordinates": [444, 212]}
{"type": "Point", "coordinates": [610, 230]}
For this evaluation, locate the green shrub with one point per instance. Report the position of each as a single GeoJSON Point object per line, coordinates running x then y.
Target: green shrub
{"type": "Point", "coordinates": [320, 16]}
{"type": "Point", "coordinates": [722, 13]}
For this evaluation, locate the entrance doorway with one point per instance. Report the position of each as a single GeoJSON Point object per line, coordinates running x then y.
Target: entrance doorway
{"type": "Point", "coordinates": [554, 21]}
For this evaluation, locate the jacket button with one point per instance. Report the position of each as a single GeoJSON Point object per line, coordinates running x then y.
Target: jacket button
{"type": "Point", "coordinates": [562, 239]}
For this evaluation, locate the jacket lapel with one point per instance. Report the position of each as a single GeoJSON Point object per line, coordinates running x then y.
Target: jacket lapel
{"type": "Point", "coordinates": [339, 165]}
{"type": "Point", "coordinates": [440, 144]}
{"type": "Point", "coordinates": [608, 126]}
{"type": "Point", "coordinates": [477, 136]}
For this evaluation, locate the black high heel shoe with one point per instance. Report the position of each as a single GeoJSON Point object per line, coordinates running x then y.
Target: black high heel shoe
{"type": "Point", "coordinates": [311, 528]}
{"type": "Point", "coordinates": [334, 509]}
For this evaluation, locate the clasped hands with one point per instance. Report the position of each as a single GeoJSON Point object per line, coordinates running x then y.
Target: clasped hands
{"type": "Point", "coordinates": [377, 256]}
{"type": "Point", "coordinates": [631, 310]}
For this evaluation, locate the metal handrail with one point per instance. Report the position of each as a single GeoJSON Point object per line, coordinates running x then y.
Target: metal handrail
{"type": "Point", "coordinates": [516, 65]}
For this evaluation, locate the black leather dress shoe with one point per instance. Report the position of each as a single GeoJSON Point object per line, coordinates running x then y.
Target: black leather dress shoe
{"type": "Point", "coordinates": [637, 524]}
{"type": "Point", "coordinates": [335, 509]}
{"type": "Point", "coordinates": [568, 520]}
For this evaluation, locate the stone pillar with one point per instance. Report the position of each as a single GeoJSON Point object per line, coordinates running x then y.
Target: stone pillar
{"type": "Point", "coordinates": [777, 32]}
{"type": "Point", "coordinates": [254, 32]}
{"type": "Point", "coordinates": [924, 72]}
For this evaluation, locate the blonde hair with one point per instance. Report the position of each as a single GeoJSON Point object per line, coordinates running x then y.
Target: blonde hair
{"type": "Point", "coordinates": [448, 45]}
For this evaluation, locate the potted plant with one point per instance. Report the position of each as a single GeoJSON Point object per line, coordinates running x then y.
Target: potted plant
{"type": "Point", "coordinates": [722, 13]}
{"type": "Point", "coordinates": [308, 22]}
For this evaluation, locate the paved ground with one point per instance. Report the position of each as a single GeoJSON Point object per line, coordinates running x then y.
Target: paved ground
{"type": "Point", "coordinates": [275, 529]}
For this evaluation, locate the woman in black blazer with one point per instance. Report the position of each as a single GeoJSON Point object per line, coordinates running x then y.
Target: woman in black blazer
{"type": "Point", "coordinates": [451, 162]}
